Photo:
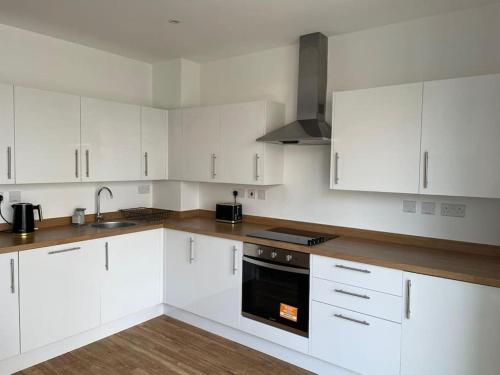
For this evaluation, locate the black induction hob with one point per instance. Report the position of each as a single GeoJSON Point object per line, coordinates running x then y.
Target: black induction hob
{"type": "Point", "coordinates": [295, 236]}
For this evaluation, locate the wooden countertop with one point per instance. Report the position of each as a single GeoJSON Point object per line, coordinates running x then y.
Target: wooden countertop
{"type": "Point", "coordinates": [458, 265]}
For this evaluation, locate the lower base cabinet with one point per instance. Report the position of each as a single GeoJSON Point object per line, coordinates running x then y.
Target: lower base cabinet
{"type": "Point", "coordinates": [132, 274]}
{"type": "Point", "coordinates": [354, 341]}
{"type": "Point", "coordinates": [60, 292]}
{"type": "Point", "coordinates": [9, 306]}
{"type": "Point", "coordinates": [451, 327]}
{"type": "Point", "coordinates": [203, 276]}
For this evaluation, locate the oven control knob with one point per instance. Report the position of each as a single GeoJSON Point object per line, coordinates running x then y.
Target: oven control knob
{"type": "Point", "coordinates": [274, 254]}
{"type": "Point", "coordinates": [289, 257]}
{"type": "Point", "coordinates": [260, 252]}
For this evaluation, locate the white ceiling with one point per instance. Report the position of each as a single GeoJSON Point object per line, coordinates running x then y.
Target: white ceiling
{"type": "Point", "coordinates": [209, 29]}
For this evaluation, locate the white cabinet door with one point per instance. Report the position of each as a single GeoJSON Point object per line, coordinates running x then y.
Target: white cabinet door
{"type": "Point", "coordinates": [175, 145]}
{"type": "Point", "coordinates": [132, 273]}
{"type": "Point", "coordinates": [453, 328]}
{"type": "Point", "coordinates": [47, 136]}
{"type": "Point", "coordinates": [60, 292]}
{"type": "Point", "coordinates": [111, 141]}
{"type": "Point", "coordinates": [201, 145]}
{"type": "Point", "coordinates": [154, 142]}
{"type": "Point", "coordinates": [9, 306]}
{"type": "Point", "coordinates": [460, 134]}
{"type": "Point", "coordinates": [376, 139]}
{"type": "Point", "coordinates": [7, 162]}
{"type": "Point", "coordinates": [242, 158]}
{"type": "Point", "coordinates": [218, 264]}
{"type": "Point", "coordinates": [180, 271]}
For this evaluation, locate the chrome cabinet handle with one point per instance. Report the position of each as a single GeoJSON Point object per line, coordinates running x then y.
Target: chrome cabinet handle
{"type": "Point", "coordinates": [87, 169]}
{"type": "Point", "coordinates": [106, 256]}
{"type": "Point", "coordinates": [191, 250]}
{"type": "Point", "coordinates": [336, 175]}
{"type": "Point", "coordinates": [64, 250]}
{"type": "Point", "coordinates": [257, 172]}
{"type": "Point", "coordinates": [341, 291]}
{"type": "Point", "coordinates": [9, 163]}
{"type": "Point", "coordinates": [235, 258]}
{"type": "Point", "coordinates": [76, 163]}
{"type": "Point", "coordinates": [12, 277]}
{"type": "Point", "coordinates": [146, 164]}
{"type": "Point", "coordinates": [214, 165]}
{"type": "Point", "coordinates": [408, 299]}
{"type": "Point", "coordinates": [352, 268]}
{"type": "Point", "coordinates": [364, 322]}
{"type": "Point", "coordinates": [426, 169]}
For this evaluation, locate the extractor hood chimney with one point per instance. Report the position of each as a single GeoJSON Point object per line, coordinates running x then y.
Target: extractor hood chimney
{"type": "Point", "coordinates": [311, 127]}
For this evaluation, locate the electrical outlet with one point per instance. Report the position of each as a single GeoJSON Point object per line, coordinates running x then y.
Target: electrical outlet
{"type": "Point", "coordinates": [261, 194]}
{"type": "Point", "coordinates": [143, 189]}
{"type": "Point", "coordinates": [14, 196]}
{"type": "Point", "coordinates": [241, 193]}
{"type": "Point", "coordinates": [409, 206]}
{"type": "Point", "coordinates": [251, 193]}
{"type": "Point", "coordinates": [453, 209]}
{"type": "Point", "coordinates": [428, 208]}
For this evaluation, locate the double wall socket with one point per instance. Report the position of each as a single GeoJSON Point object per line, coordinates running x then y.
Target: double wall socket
{"type": "Point", "coordinates": [453, 209]}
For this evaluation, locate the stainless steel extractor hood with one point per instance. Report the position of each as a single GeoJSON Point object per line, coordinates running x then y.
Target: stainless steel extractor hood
{"type": "Point", "coordinates": [311, 127]}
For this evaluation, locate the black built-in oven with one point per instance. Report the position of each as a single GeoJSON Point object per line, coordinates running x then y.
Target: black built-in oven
{"type": "Point", "coordinates": [276, 287]}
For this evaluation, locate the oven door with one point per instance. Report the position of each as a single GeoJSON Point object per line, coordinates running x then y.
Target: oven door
{"type": "Point", "coordinates": [276, 294]}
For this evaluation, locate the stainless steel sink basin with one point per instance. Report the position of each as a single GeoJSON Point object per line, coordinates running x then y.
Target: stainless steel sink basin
{"type": "Point", "coordinates": [113, 224]}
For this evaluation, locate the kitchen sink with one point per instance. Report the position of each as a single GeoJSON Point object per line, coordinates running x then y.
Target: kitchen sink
{"type": "Point", "coordinates": [113, 224]}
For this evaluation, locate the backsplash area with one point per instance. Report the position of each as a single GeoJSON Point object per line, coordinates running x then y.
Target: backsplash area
{"type": "Point", "coordinates": [61, 199]}
{"type": "Point", "coordinates": [305, 196]}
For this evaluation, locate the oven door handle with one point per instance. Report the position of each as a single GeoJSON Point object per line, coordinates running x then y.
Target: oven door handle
{"type": "Point", "coordinates": [275, 266]}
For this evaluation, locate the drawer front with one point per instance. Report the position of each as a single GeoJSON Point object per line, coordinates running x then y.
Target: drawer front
{"type": "Point", "coordinates": [357, 342]}
{"type": "Point", "coordinates": [381, 305]}
{"type": "Point", "coordinates": [362, 275]}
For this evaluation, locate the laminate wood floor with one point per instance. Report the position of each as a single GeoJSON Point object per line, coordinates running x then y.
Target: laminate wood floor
{"type": "Point", "coordinates": [163, 346]}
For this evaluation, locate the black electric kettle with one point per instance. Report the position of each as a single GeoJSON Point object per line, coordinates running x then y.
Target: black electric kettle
{"type": "Point", "coordinates": [23, 217]}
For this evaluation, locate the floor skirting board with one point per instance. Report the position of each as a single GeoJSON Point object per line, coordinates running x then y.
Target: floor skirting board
{"type": "Point", "coordinates": [291, 356]}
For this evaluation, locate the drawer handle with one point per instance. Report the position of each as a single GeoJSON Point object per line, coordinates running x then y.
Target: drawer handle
{"type": "Point", "coordinates": [63, 250]}
{"type": "Point", "coordinates": [352, 268]}
{"type": "Point", "coordinates": [364, 296]}
{"type": "Point", "coordinates": [363, 322]}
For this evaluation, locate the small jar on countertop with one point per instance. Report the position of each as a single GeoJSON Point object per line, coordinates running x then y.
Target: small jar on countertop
{"type": "Point", "coordinates": [78, 217]}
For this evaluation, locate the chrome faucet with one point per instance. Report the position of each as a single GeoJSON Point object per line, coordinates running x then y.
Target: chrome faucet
{"type": "Point", "coordinates": [98, 214]}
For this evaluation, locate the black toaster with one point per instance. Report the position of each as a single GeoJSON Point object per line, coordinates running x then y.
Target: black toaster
{"type": "Point", "coordinates": [229, 212]}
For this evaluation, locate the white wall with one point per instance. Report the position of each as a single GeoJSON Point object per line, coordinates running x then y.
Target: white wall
{"type": "Point", "coordinates": [36, 60]}
{"type": "Point", "coordinates": [456, 44]}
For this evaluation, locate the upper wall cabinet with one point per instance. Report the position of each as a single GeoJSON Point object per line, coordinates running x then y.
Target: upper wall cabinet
{"type": "Point", "coordinates": [47, 136]}
{"type": "Point", "coordinates": [7, 170]}
{"type": "Point", "coordinates": [154, 141]}
{"type": "Point", "coordinates": [460, 137]}
{"type": "Point", "coordinates": [175, 144]}
{"type": "Point", "coordinates": [218, 144]}
{"type": "Point", "coordinates": [111, 141]}
{"type": "Point", "coordinates": [376, 139]}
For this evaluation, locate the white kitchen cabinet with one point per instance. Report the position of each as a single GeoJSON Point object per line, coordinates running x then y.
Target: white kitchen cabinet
{"type": "Point", "coordinates": [131, 266]}
{"type": "Point", "coordinates": [154, 143]}
{"type": "Point", "coordinates": [111, 141]}
{"type": "Point", "coordinates": [244, 160]}
{"type": "Point", "coordinates": [60, 292]}
{"type": "Point", "coordinates": [218, 276]}
{"type": "Point", "coordinates": [376, 139]}
{"type": "Point", "coordinates": [7, 162]}
{"type": "Point", "coordinates": [175, 145]}
{"type": "Point", "coordinates": [452, 327]}
{"type": "Point", "coordinates": [460, 133]}
{"type": "Point", "coordinates": [357, 342]}
{"type": "Point", "coordinates": [47, 128]}
{"type": "Point", "coordinates": [9, 305]}
{"type": "Point", "coordinates": [201, 145]}
{"type": "Point", "coordinates": [203, 276]}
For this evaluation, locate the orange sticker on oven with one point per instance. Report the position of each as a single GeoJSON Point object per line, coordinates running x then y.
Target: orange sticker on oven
{"type": "Point", "coordinates": [288, 312]}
